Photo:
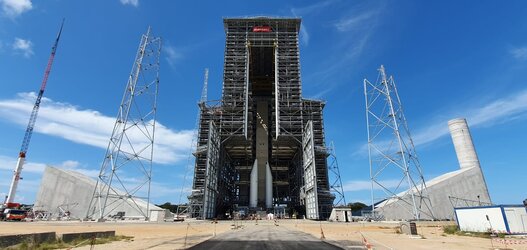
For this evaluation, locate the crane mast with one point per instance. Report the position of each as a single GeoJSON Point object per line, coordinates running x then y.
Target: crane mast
{"type": "Point", "coordinates": [32, 119]}
{"type": "Point", "coordinates": [205, 83]}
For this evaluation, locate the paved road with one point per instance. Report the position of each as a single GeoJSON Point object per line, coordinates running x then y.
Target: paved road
{"type": "Point", "coordinates": [264, 236]}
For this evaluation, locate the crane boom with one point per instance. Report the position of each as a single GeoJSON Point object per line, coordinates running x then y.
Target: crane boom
{"type": "Point", "coordinates": [32, 119]}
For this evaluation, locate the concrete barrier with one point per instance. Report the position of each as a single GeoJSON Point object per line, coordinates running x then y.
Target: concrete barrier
{"type": "Point", "coordinates": [68, 237]}
{"type": "Point", "coordinates": [33, 239]}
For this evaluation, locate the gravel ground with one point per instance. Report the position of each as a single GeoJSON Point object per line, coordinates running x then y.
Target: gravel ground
{"type": "Point", "coordinates": [303, 234]}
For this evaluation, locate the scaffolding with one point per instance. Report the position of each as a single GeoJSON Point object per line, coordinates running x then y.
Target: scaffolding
{"type": "Point", "coordinates": [457, 202]}
{"type": "Point", "coordinates": [313, 112]}
{"type": "Point", "coordinates": [195, 198]}
{"type": "Point", "coordinates": [392, 154]}
{"type": "Point", "coordinates": [261, 67]}
{"type": "Point", "coordinates": [126, 171]}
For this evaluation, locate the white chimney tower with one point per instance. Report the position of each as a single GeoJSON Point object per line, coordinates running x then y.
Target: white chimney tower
{"type": "Point", "coordinates": [465, 151]}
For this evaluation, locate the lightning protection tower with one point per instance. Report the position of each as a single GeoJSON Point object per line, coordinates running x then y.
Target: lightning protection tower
{"type": "Point", "coordinates": [126, 172]}
{"type": "Point", "coordinates": [394, 166]}
{"type": "Point", "coordinates": [335, 181]}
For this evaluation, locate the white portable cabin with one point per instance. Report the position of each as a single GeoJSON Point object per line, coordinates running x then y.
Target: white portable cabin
{"type": "Point", "coordinates": [509, 219]}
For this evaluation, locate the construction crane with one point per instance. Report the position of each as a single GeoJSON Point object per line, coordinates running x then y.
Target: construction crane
{"type": "Point", "coordinates": [29, 130]}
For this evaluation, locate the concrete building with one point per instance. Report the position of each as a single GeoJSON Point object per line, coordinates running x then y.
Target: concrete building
{"type": "Point", "coordinates": [262, 145]}
{"type": "Point", "coordinates": [340, 214]}
{"type": "Point", "coordinates": [463, 187]}
{"type": "Point", "coordinates": [67, 188]}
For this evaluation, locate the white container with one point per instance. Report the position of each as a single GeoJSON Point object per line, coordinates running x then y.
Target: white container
{"type": "Point", "coordinates": [509, 219]}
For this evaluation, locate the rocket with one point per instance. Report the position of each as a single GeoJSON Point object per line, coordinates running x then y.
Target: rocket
{"type": "Point", "coordinates": [253, 198]}
{"type": "Point", "coordinates": [268, 186]}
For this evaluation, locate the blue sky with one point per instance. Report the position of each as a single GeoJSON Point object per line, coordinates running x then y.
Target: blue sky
{"type": "Point", "coordinates": [449, 59]}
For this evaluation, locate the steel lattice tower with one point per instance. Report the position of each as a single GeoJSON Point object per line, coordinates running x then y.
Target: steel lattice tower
{"type": "Point", "coordinates": [394, 165]}
{"type": "Point", "coordinates": [336, 184]}
{"type": "Point", "coordinates": [126, 171]}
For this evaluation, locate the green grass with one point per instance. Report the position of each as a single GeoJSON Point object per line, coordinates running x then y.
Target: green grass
{"type": "Point", "coordinates": [59, 244]}
{"type": "Point", "coordinates": [450, 229]}
{"type": "Point", "coordinates": [453, 229]}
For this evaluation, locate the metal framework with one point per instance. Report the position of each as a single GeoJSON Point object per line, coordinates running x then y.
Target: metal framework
{"type": "Point", "coordinates": [336, 182]}
{"type": "Point", "coordinates": [457, 202]}
{"type": "Point", "coordinates": [261, 99]}
{"type": "Point", "coordinates": [391, 151]}
{"type": "Point", "coordinates": [201, 104]}
{"type": "Point", "coordinates": [126, 171]}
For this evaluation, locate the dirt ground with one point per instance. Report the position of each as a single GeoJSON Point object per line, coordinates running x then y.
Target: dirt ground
{"type": "Point", "coordinates": [181, 235]}
{"type": "Point", "coordinates": [385, 236]}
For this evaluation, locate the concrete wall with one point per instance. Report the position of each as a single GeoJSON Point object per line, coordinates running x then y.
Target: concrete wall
{"type": "Point", "coordinates": [35, 239]}
{"type": "Point", "coordinates": [69, 237]}
{"type": "Point", "coordinates": [465, 183]}
{"type": "Point", "coordinates": [59, 187]}
{"type": "Point", "coordinates": [160, 215]}
{"type": "Point", "coordinates": [340, 214]}
{"type": "Point", "coordinates": [30, 239]}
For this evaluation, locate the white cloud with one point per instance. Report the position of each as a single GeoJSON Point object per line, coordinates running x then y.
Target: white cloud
{"type": "Point", "coordinates": [310, 9]}
{"type": "Point", "coordinates": [135, 3]}
{"type": "Point", "coordinates": [355, 22]}
{"type": "Point", "coordinates": [495, 112]}
{"type": "Point", "coordinates": [304, 35]}
{"type": "Point", "coordinates": [32, 171]}
{"type": "Point", "coordinates": [9, 163]}
{"type": "Point", "coordinates": [499, 111]}
{"type": "Point", "coordinates": [76, 166]}
{"type": "Point", "coordinates": [172, 55]}
{"type": "Point", "coordinates": [354, 31]}
{"type": "Point", "coordinates": [360, 185]}
{"type": "Point", "coordinates": [90, 127]}
{"type": "Point", "coordinates": [69, 164]}
{"type": "Point", "coordinates": [161, 190]}
{"type": "Point", "coordinates": [23, 46]}
{"type": "Point", "coordinates": [519, 53]}
{"type": "Point", "coordinates": [13, 8]}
